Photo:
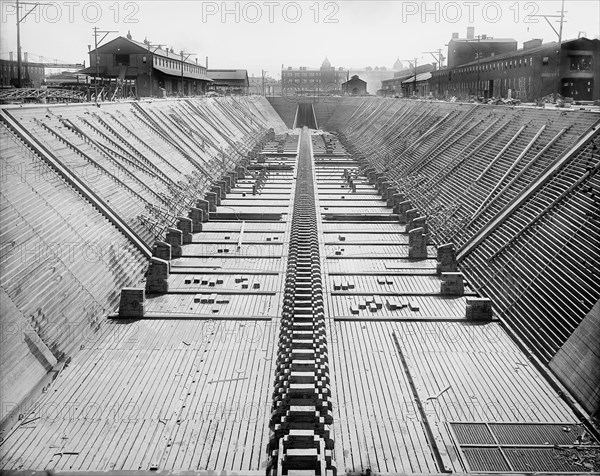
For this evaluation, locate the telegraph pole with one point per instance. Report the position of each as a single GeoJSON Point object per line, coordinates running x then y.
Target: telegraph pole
{"type": "Point", "coordinates": [559, 34]}
{"type": "Point", "coordinates": [415, 80]}
{"type": "Point", "coordinates": [183, 60]}
{"type": "Point", "coordinates": [439, 62]}
{"type": "Point", "coordinates": [151, 58]}
{"type": "Point", "coordinates": [97, 31]}
{"type": "Point", "coordinates": [478, 56]}
{"type": "Point", "coordinates": [19, 20]}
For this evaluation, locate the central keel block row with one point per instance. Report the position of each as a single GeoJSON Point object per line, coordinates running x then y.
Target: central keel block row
{"type": "Point", "coordinates": [301, 415]}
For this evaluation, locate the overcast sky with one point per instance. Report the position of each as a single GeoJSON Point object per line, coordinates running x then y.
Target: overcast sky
{"type": "Point", "coordinates": [266, 34]}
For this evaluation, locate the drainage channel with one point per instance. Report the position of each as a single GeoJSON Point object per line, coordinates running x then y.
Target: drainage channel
{"type": "Point", "coordinates": [301, 416]}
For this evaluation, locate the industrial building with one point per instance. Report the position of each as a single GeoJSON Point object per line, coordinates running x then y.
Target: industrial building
{"type": "Point", "coordinates": [325, 80]}
{"type": "Point", "coordinates": [466, 50]}
{"type": "Point", "coordinates": [230, 81]}
{"type": "Point", "coordinates": [527, 74]}
{"type": "Point", "coordinates": [355, 86]}
{"type": "Point", "coordinates": [328, 286]}
{"type": "Point", "coordinates": [144, 70]}
{"type": "Point", "coordinates": [396, 86]}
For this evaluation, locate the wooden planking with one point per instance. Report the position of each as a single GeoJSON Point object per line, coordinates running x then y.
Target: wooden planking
{"type": "Point", "coordinates": [249, 226]}
{"type": "Point", "coordinates": [175, 382]}
{"type": "Point", "coordinates": [232, 251]}
{"type": "Point", "coordinates": [490, 379]}
{"type": "Point", "coordinates": [372, 250]}
{"type": "Point", "coordinates": [249, 305]}
{"type": "Point", "coordinates": [384, 284]}
{"type": "Point", "coordinates": [202, 282]}
{"type": "Point", "coordinates": [370, 228]}
{"type": "Point", "coordinates": [429, 307]}
{"type": "Point", "coordinates": [383, 266]}
{"type": "Point", "coordinates": [376, 425]}
{"type": "Point", "coordinates": [234, 264]}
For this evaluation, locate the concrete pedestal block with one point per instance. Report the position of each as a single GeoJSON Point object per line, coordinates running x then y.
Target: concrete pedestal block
{"type": "Point", "coordinates": [385, 186]}
{"type": "Point", "coordinates": [203, 205]}
{"type": "Point", "coordinates": [197, 217]}
{"type": "Point", "coordinates": [452, 284]}
{"type": "Point", "coordinates": [175, 239]}
{"type": "Point", "coordinates": [411, 214]}
{"type": "Point", "coordinates": [186, 227]}
{"type": "Point", "coordinates": [162, 250]}
{"type": "Point", "coordinates": [403, 207]}
{"type": "Point", "coordinates": [419, 222]}
{"type": "Point", "coordinates": [390, 192]}
{"type": "Point", "coordinates": [221, 188]}
{"type": "Point", "coordinates": [446, 259]}
{"type": "Point", "coordinates": [157, 280]}
{"type": "Point", "coordinates": [397, 198]}
{"type": "Point", "coordinates": [227, 181]}
{"type": "Point", "coordinates": [241, 171]}
{"type": "Point", "coordinates": [131, 304]}
{"type": "Point", "coordinates": [211, 198]}
{"type": "Point", "coordinates": [233, 178]}
{"type": "Point", "coordinates": [479, 309]}
{"type": "Point", "coordinates": [417, 244]}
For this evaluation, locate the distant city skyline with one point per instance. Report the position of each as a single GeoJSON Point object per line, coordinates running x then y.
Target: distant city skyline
{"type": "Point", "coordinates": [264, 35]}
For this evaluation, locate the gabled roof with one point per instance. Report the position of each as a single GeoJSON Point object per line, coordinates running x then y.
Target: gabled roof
{"type": "Point", "coordinates": [224, 75]}
{"type": "Point", "coordinates": [152, 49]}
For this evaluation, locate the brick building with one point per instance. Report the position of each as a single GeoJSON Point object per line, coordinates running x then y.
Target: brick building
{"type": "Point", "coordinates": [355, 86]}
{"type": "Point", "coordinates": [307, 81]}
{"type": "Point", "coordinates": [32, 74]}
{"type": "Point", "coordinates": [527, 74]}
{"type": "Point", "coordinates": [471, 48]}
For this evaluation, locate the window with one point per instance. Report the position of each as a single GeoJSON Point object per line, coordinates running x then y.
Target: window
{"type": "Point", "coordinates": [121, 60]}
{"type": "Point", "coordinates": [545, 60]}
{"type": "Point", "coordinates": [580, 63]}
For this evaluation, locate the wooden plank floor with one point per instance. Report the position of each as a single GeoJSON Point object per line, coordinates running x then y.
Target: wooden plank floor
{"type": "Point", "coordinates": [178, 395]}
{"type": "Point", "coordinates": [457, 370]}
{"type": "Point", "coordinates": [191, 388]}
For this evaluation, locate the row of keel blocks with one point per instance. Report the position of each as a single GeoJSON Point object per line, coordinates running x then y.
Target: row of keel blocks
{"type": "Point", "coordinates": [301, 417]}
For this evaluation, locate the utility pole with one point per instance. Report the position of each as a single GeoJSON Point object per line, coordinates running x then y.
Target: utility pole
{"type": "Point", "coordinates": [97, 31]}
{"type": "Point", "coordinates": [415, 80]}
{"type": "Point", "coordinates": [439, 60]}
{"type": "Point", "coordinates": [19, 20]}
{"type": "Point", "coordinates": [559, 34]}
{"type": "Point", "coordinates": [183, 60]}
{"type": "Point", "coordinates": [151, 59]}
{"type": "Point", "coordinates": [478, 56]}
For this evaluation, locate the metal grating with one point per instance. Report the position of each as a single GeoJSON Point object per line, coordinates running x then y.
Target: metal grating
{"type": "Point", "coordinates": [552, 459]}
{"type": "Point", "coordinates": [485, 459]}
{"type": "Point", "coordinates": [526, 447]}
{"type": "Point", "coordinates": [536, 434]}
{"type": "Point", "coordinates": [473, 434]}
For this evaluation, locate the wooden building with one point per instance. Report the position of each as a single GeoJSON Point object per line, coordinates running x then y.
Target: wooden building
{"type": "Point", "coordinates": [148, 70]}
{"type": "Point", "coordinates": [229, 81]}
